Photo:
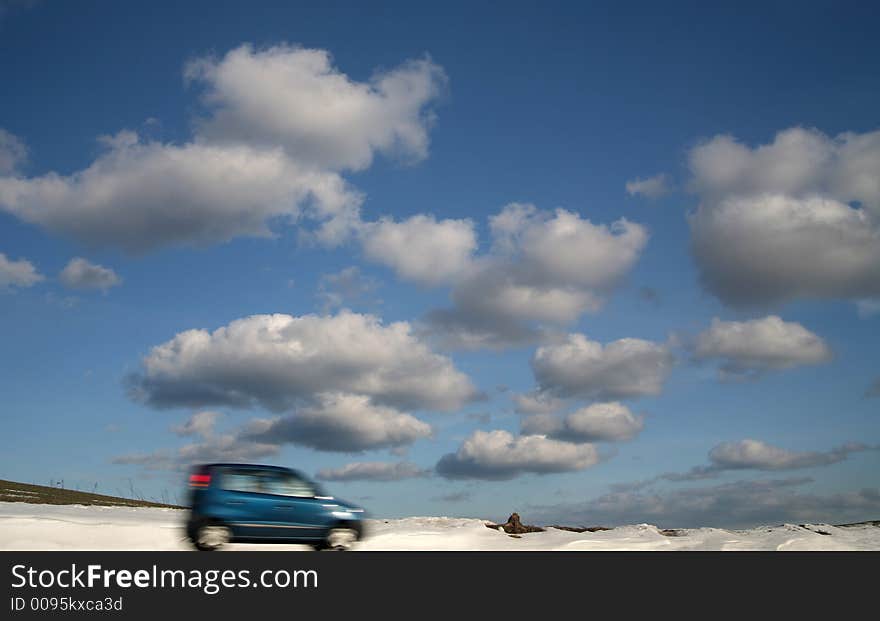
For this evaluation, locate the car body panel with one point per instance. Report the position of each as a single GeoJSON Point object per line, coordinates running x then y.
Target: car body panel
{"type": "Point", "coordinates": [266, 503]}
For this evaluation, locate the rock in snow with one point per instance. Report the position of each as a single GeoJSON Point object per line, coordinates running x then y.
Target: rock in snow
{"type": "Point", "coordinates": [514, 526]}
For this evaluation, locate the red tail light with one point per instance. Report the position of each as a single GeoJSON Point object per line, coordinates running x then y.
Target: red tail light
{"type": "Point", "coordinates": [199, 480]}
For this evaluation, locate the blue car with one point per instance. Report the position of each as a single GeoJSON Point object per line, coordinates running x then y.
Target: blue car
{"type": "Point", "coordinates": [267, 504]}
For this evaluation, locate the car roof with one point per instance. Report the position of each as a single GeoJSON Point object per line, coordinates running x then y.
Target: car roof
{"type": "Point", "coordinates": [240, 465]}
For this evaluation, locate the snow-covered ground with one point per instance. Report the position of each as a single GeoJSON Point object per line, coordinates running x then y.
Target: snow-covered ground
{"type": "Point", "coordinates": [74, 527]}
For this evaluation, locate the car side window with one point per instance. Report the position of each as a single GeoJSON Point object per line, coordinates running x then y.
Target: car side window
{"type": "Point", "coordinates": [247, 481]}
{"type": "Point", "coordinates": [289, 484]}
{"type": "Point", "coordinates": [266, 482]}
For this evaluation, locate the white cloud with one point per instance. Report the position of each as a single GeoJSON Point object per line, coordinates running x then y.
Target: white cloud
{"type": "Point", "coordinates": [652, 187]}
{"type": "Point", "coordinates": [210, 447]}
{"type": "Point", "coordinates": [199, 424]}
{"type": "Point", "coordinates": [220, 448]}
{"type": "Point", "coordinates": [537, 403]}
{"type": "Point", "coordinates": [799, 162]}
{"type": "Point", "coordinates": [566, 249]}
{"type": "Point", "coordinates": [796, 218]}
{"type": "Point", "coordinates": [773, 248]}
{"type": "Point", "coordinates": [729, 505]}
{"type": "Point", "coordinates": [81, 274]}
{"type": "Point", "coordinates": [373, 471]}
{"type": "Point", "coordinates": [282, 124]}
{"type": "Point", "coordinates": [757, 455]}
{"type": "Point", "coordinates": [224, 447]}
{"type": "Point", "coordinates": [751, 454]}
{"type": "Point", "coordinates": [20, 273]}
{"type": "Point", "coordinates": [492, 310]}
{"type": "Point", "coordinates": [498, 455]}
{"type": "Point", "coordinates": [295, 97]}
{"type": "Point", "coordinates": [749, 348]}
{"type": "Point", "coordinates": [421, 248]}
{"type": "Point", "coordinates": [13, 153]}
{"type": "Point", "coordinates": [461, 496]}
{"type": "Point", "coordinates": [335, 422]}
{"type": "Point", "coordinates": [156, 460]}
{"type": "Point", "coordinates": [598, 422]}
{"type": "Point", "coordinates": [544, 267]}
{"type": "Point", "coordinates": [579, 367]}
{"type": "Point", "coordinates": [497, 291]}
{"type": "Point", "coordinates": [342, 423]}
{"type": "Point", "coordinates": [345, 287]}
{"type": "Point", "coordinates": [868, 308]}
{"type": "Point", "coordinates": [279, 361]}
{"type": "Point", "coordinates": [142, 195]}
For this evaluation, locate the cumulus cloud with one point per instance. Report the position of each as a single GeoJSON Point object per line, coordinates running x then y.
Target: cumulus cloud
{"type": "Point", "coordinates": [373, 471]}
{"type": "Point", "coordinates": [544, 268]}
{"type": "Point", "coordinates": [199, 424]}
{"type": "Point", "coordinates": [13, 152]}
{"type": "Point", "coordinates": [82, 274]}
{"type": "Point", "coordinates": [757, 455]}
{"type": "Point", "coordinates": [579, 367]}
{"type": "Point", "coordinates": [333, 422]}
{"type": "Point", "coordinates": [565, 248]}
{"type": "Point", "coordinates": [421, 248]}
{"type": "Point", "coordinates": [598, 422]}
{"type": "Point", "coordinates": [798, 162]}
{"type": "Point", "coordinates": [750, 348]}
{"type": "Point", "coordinates": [280, 361]}
{"type": "Point", "coordinates": [774, 248]}
{"type": "Point", "coordinates": [281, 125]}
{"type": "Point", "coordinates": [796, 218]}
{"type": "Point", "coordinates": [739, 504]}
{"type": "Point", "coordinates": [652, 187]}
{"type": "Point", "coordinates": [752, 454]}
{"type": "Point", "coordinates": [220, 448]}
{"type": "Point", "coordinates": [157, 460]}
{"type": "Point", "coordinates": [141, 195]}
{"type": "Point", "coordinates": [20, 273]}
{"type": "Point", "coordinates": [474, 326]}
{"type": "Point", "coordinates": [209, 447]}
{"type": "Point", "coordinates": [342, 423]}
{"type": "Point", "coordinates": [345, 287]}
{"type": "Point", "coordinates": [297, 98]}
{"type": "Point", "coordinates": [498, 455]}
{"type": "Point", "coordinates": [454, 497]}
{"type": "Point", "coordinates": [225, 447]}
{"type": "Point", "coordinates": [537, 403]}
{"type": "Point", "coordinates": [868, 308]}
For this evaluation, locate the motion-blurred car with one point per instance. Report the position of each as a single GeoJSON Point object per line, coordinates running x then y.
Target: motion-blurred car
{"type": "Point", "coordinates": [267, 504]}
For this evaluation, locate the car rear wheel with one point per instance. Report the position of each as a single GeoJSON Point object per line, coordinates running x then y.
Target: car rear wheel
{"type": "Point", "coordinates": [210, 536]}
{"type": "Point", "coordinates": [339, 538]}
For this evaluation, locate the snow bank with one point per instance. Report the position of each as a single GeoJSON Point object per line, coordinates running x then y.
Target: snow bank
{"type": "Point", "coordinates": [74, 527]}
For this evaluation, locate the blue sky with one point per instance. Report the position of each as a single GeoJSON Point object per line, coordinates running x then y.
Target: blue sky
{"type": "Point", "coordinates": [351, 168]}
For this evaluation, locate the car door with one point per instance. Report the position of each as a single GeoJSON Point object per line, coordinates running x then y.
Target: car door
{"type": "Point", "coordinates": [305, 516]}
{"type": "Point", "coordinates": [248, 507]}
